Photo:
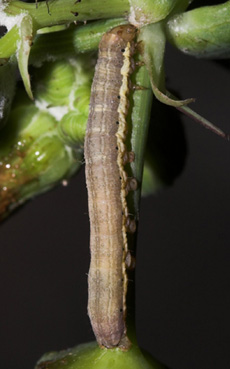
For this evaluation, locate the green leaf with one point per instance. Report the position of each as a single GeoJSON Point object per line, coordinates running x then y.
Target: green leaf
{"type": "Point", "coordinates": [204, 122]}
{"type": "Point", "coordinates": [152, 43]}
{"type": "Point", "coordinates": [25, 41]}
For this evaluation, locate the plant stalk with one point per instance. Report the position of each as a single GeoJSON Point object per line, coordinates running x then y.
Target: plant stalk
{"type": "Point", "coordinates": [138, 126]}
{"type": "Point", "coordinates": [72, 41]}
{"type": "Point", "coordinates": [63, 12]}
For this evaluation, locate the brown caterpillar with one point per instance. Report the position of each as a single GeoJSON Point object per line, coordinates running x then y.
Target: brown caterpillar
{"type": "Point", "coordinates": [107, 183]}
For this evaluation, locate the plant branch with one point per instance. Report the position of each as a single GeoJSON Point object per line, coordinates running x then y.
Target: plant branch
{"type": "Point", "coordinates": [138, 127]}
{"type": "Point", "coordinates": [63, 12]}
{"type": "Point", "coordinates": [72, 41]}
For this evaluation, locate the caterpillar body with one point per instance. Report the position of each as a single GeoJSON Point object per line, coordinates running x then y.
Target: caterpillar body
{"type": "Point", "coordinates": [107, 184]}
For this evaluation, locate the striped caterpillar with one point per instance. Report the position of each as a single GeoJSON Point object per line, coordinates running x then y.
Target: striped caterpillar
{"type": "Point", "coordinates": [108, 185]}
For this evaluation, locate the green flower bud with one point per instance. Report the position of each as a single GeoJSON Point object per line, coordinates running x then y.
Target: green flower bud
{"type": "Point", "coordinates": [202, 32]}
{"type": "Point", "coordinates": [72, 128]}
{"type": "Point", "coordinates": [82, 99]}
{"type": "Point", "coordinates": [43, 142]}
{"type": "Point", "coordinates": [32, 156]}
{"type": "Point", "coordinates": [54, 83]}
{"type": "Point", "coordinates": [26, 123]}
{"type": "Point", "coordinates": [47, 158]}
{"type": "Point", "coordinates": [90, 356]}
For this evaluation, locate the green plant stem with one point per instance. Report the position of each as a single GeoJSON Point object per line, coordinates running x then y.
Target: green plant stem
{"type": "Point", "coordinates": [72, 41]}
{"type": "Point", "coordinates": [63, 12]}
{"type": "Point", "coordinates": [138, 126]}
{"type": "Point", "coordinates": [142, 102]}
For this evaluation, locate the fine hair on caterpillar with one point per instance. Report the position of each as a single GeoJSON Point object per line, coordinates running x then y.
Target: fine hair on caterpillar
{"type": "Point", "coordinates": [108, 185]}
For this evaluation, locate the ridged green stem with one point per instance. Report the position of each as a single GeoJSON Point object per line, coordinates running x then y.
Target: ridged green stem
{"type": "Point", "coordinates": [138, 128]}
{"type": "Point", "coordinates": [64, 12]}
{"type": "Point", "coordinates": [142, 102]}
{"type": "Point", "coordinates": [71, 41]}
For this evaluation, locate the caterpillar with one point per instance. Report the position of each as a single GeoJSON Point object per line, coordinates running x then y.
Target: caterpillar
{"type": "Point", "coordinates": [108, 185]}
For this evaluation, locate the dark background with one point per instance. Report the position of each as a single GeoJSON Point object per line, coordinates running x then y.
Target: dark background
{"type": "Point", "coordinates": [183, 274]}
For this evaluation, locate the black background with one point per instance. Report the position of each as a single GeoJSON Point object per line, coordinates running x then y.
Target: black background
{"type": "Point", "coordinates": [183, 274]}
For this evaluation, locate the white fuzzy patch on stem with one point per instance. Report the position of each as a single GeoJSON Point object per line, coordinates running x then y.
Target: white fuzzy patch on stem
{"type": "Point", "coordinates": [137, 17]}
{"type": "Point", "coordinates": [9, 21]}
{"type": "Point", "coordinates": [57, 112]}
{"type": "Point", "coordinates": [132, 16]}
